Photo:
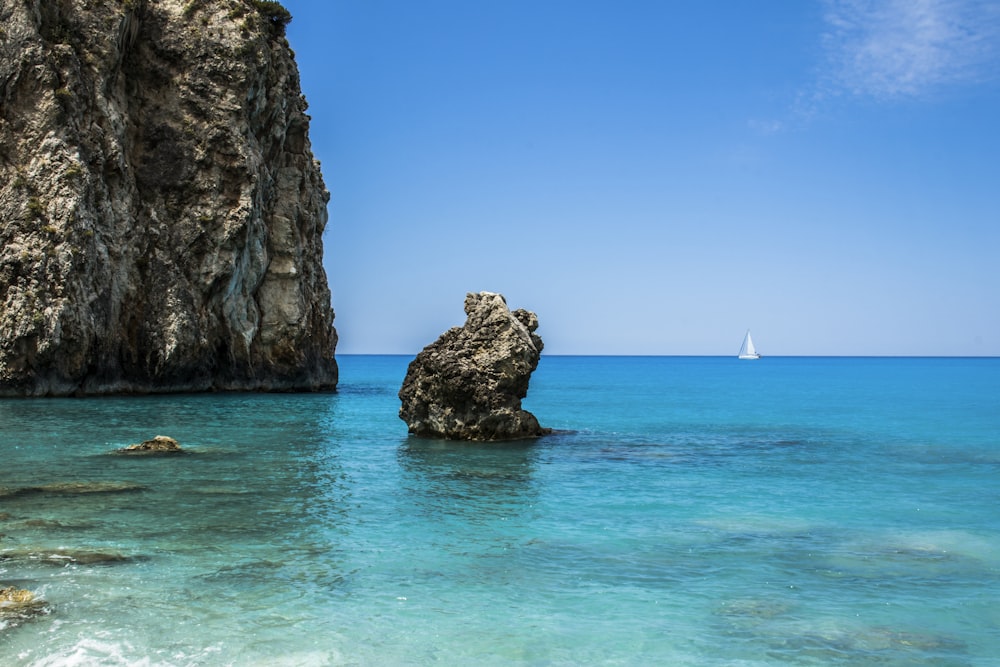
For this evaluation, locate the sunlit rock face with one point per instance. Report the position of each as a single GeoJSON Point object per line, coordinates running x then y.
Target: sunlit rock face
{"type": "Point", "coordinates": [161, 211]}
{"type": "Point", "coordinates": [469, 383]}
{"type": "Point", "coordinates": [19, 605]}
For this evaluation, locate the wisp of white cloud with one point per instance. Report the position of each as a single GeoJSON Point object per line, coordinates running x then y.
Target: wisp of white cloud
{"type": "Point", "coordinates": [888, 49]}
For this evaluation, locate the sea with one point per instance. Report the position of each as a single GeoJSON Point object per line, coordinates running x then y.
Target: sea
{"type": "Point", "coordinates": [685, 511]}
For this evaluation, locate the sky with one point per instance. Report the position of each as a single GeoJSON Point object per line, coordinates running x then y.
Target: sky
{"type": "Point", "coordinates": [655, 178]}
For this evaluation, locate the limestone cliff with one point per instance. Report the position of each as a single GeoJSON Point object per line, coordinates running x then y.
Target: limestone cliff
{"type": "Point", "coordinates": [161, 212]}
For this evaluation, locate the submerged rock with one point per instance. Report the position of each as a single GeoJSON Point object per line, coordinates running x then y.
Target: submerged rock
{"type": "Point", "coordinates": [72, 488]}
{"type": "Point", "coordinates": [54, 524]}
{"type": "Point", "coordinates": [62, 557]}
{"type": "Point", "coordinates": [17, 605]}
{"type": "Point", "coordinates": [468, 384]}
{"type": "Point", "coordinates": [87, 487]}
{"type": "Point", "coordinates": [160, 444]}
{"type": "Point", "coordinates": [161, 211]}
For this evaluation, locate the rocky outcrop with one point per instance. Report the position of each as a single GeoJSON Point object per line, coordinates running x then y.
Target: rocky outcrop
{"type": "Point", "coordinates": [19, 605]}
{"type": "Point", "coordinates": [161, 212]}
{"type": "Point", "coordinates": [62, 557]}
{"type": "Point", "coordinates": [160, 444]}
{"type": "Point", "coordinates": [468, 384]}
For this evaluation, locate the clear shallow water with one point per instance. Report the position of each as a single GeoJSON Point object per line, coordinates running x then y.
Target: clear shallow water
{"type": "Point", "coordinates": [690, 511]}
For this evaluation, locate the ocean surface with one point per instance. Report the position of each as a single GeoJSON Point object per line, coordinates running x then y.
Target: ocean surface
{"type": "Point", "coordinates": [687, 511]}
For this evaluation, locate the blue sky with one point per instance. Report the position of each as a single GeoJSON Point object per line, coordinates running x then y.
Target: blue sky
{"type": "Point", "coordinates": [656, 177]}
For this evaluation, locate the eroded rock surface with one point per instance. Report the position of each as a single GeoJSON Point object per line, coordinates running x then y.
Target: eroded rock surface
{"type": "Point", "coordinates": [160, 444]}
{"type": "Point", "coordinates": [63, 557]}
{"type": "Point", "coordinates": [468, 384]}
{"type": "Point", "coordinates": [19, 605]}
{"type": "Point", "coordinates": [161, 212]}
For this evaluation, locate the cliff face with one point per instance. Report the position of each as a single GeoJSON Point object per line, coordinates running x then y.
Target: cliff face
{"type": "Point", "coordinates": [161, 212]}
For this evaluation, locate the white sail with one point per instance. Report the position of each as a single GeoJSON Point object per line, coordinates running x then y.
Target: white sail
{"type": "Point", "coordinates": [747, 350]}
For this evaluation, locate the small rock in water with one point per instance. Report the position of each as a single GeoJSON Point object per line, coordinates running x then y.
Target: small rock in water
{"type": "Point", "coordinates": [18, 605]}
{"type": "Point", "coordinates": [12, 596]}
{"type": "Point", "coordinates": [468, 384]}
{"type": "Point", "coordinates": [161, 444]}
{"type": "Point", "coordinates": [61, 557]}
{"type": "Point", "coordinates": [72, 488]}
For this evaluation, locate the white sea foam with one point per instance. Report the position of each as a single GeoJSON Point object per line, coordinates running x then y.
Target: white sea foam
{"type": "Point", "coordinates": [297, 659]}
{"type": "Point", "coordinates": [91, 652]}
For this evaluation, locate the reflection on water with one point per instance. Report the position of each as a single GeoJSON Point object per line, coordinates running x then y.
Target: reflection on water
{"type": "Point", "coordinates": [475, 482]}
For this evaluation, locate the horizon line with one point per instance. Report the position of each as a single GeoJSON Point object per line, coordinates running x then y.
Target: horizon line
{"type": "Point", "coordinates": [720, 356]}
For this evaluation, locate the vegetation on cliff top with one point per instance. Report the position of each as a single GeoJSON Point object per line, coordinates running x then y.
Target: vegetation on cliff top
{"type": "Point", "coordinates": [274, 12]}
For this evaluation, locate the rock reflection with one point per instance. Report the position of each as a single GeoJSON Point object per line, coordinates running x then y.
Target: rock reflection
{"type": "Point", "coordinates": [472, 481]}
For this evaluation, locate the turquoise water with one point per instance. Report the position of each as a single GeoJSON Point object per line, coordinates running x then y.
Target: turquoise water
{"type": "Point", "coordinates": [688, 511]}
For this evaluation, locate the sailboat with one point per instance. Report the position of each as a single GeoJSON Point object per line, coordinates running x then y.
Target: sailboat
{"type": "Point", "coordinates": [747, 350]}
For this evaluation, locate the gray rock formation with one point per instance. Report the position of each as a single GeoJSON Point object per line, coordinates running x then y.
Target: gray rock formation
{"type": "Point", "coordinates": [19, 605]}
{"type": "Point", "coordinates": [62, 557]}
{"type": "Point", "coordinates": [161, 212]}
{"type": "Point", "coordinates": [469, 383]}
{"type": "Point", "coordinates": [161, 444]}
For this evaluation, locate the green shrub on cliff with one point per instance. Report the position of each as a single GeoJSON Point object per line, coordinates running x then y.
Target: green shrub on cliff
{"type": "Point", "coordinates": [274, 12]}
{"type": "Point", "coordinates": [36, 208]}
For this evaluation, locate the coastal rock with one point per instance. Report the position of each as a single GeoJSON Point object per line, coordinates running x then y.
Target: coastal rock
{"type": "Point", "coordinates": [72, 488]}
{"type": "Point", "coordinates": [18, 605]}
{"type": "Point", "coordinates": [468, 384]}
{"type": "Point", "coordinates": [161, 211]}
{"type": "Point", "coordinates": [160, 444]}
{"type": "Point", "coordinates": [55, 524]}
{"type": "Point", "coordinates": [62, 557]}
